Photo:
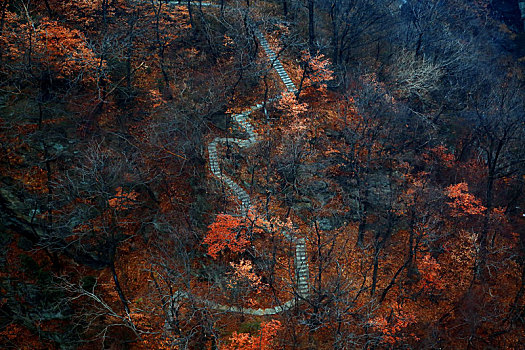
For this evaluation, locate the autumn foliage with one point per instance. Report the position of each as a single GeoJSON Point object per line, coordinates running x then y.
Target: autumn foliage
{"type": "Point", "coordinates": [397, 160]}
{"type": "Point", "coordinates": [263, 340]}
{"type": "Point", "coordinates": [226, 231]}
{"type": "Point", "coordinates": [463, 203]}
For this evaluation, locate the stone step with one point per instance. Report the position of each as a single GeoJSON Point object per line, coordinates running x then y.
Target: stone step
{"type": "Point", "coordinates": [243, 124]}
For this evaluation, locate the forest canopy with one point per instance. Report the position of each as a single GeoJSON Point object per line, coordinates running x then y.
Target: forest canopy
{"type": "Point", "coordinates": [262, 174]}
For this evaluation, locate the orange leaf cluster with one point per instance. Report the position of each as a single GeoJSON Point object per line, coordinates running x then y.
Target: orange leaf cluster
{"type": "Point", "coordinates": [123, 199]}
{"type": "Point", "coordinates": [261, 341]}
{"type": "Point", "coordinates": [463, 202]}
{"type": "Point", "coordinates": [243, 271]}
{"type": "Point", "coordinates": [63, 50]}
{"type": "Point", "coordinates": [289, 105]}
{"type": "Point", "coordinates": [390, 328]}
{"type": "Point", "coordinates": [319, 70]}
{"type": "Point", "coordinates": [429, 268]}
{"type": "Point", "coordinates": [441, 154]}
{"type": "Point", "coordinates": [226, 232]}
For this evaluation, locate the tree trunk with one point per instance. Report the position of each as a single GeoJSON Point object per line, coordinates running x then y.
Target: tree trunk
{"type": "Point", "coordinates": [118, 287]}
{"type": "Point", "coordinates": [48, 8]}
{"type": "Point", "coordinates": [377, 250]}
{"type": "Point", "coordinates": [483, 239]}
{"type": "Point", "coordinates": [362, 223]}
{"type": "Point", "coordinates": [411, 242]}
{"type": "Point", "coordinates": [335, 33]}
{"type": "Point", "coordinates": [311, 27]}
{"type": "Point", "coordinates": [285, 8]}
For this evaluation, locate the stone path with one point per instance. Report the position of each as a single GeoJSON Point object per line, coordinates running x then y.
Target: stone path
{"type": "Point", "coordinates": [242, 119]}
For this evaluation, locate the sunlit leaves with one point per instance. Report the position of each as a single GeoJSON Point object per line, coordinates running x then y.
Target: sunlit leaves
{"type": "Point", "coordinates": [391, 327]}
{"type": "Point", "coordinates": [123, 199]}
{"type": "Point", "coordinates": [226, 231]}
{"type": "Point", "coordinates": [463, 203]}
{"type": "Point", "coordinates": [264, 340]}
{"type": "Point", "coordinates": [243, 273]}
{"type": "Point", "coordinates": [61, 49]}
{"type": "Point", "coordinates": [429, 269]}
{"type": "Point", "coordinates": [319, 71]}
{"type": "Point", "coordinates": [289, 105]}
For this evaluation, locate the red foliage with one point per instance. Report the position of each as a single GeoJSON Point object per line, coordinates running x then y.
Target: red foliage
{"type": "Point", "coordinates": [261, 341]}
{"type": "Point", "coordinates": [391, 327]}
{"type": "Point", "coordinates": [290, 106]}
{"type": "Point", "coordinates": [319, 71]}
{"type": "Point", "coordinates": [429, 269]}
{"type": "Point", "coordinates": [463, 202]}
{"type": "Point", "coordinates": [226, 232]}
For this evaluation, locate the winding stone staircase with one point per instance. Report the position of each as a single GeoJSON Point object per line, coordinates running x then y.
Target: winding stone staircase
{"type": "Point", "coordinates": [242, 119]}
